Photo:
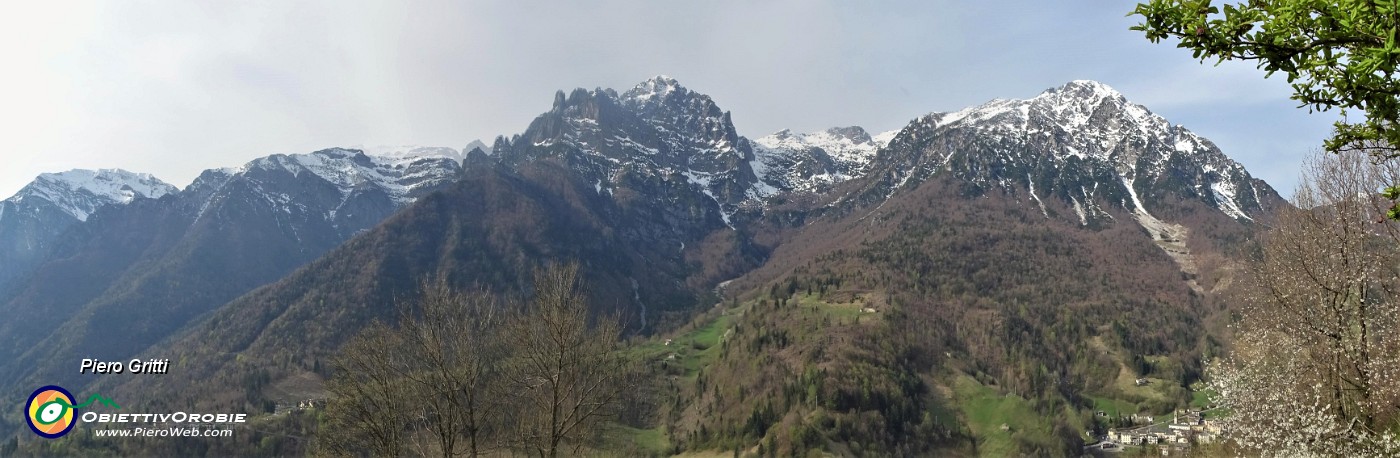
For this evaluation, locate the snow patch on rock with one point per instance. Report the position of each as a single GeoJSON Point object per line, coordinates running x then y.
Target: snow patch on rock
{"type": "Point", "coordinates": [81, 192]}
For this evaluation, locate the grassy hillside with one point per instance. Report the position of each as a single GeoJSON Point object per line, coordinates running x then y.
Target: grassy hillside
{"type": "Point", "coordinates": [794, 375]}
{"type": "Point", "coordinates": [938, 322]}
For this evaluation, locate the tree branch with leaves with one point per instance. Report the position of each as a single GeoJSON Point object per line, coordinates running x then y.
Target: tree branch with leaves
{"type": "Point", "coordinates": [1340, 54]}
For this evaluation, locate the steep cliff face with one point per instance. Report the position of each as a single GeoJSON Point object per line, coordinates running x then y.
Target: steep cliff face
{"type": "Point", "coordinates": [658, 140]}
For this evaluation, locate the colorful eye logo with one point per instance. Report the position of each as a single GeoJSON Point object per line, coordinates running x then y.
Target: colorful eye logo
{"type": "Point", "coordinates": [50, 412]}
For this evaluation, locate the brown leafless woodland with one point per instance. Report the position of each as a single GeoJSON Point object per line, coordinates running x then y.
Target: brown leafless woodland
{"type": "Point", "coordinates": [463, 375]}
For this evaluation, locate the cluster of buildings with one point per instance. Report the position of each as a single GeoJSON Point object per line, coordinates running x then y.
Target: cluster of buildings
{"type": "Point", "coordinates": [1187, 427]}
{"type": "Point", "coordinates": [305, 404]}
{"type": "Point", "coordinates": [311, 404]}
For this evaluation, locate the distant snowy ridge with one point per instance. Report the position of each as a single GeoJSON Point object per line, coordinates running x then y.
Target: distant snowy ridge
{"type": "Point", "coordinates": [409, 151]}
{"type": "Point", "coordinates": [784, 161]}
{"type": "Point", "coordinates": [81, 192]}
{"type": "Point", "coordinates": [401, 176]}
{"type": "Point", "coordinates": [42, 211]}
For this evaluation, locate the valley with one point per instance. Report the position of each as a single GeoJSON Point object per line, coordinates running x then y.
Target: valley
{"type": "Point", "coordinates": [1015, 278]}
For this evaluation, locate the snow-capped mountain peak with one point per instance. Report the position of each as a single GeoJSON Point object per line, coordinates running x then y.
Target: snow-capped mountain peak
{"type": "Point", "coordinates": [1075, 102]}
{"type": "Point", "coordinates": [663, 100]}
{"type": "Point", "coordinates": [418, 151]}
{"type": "Point", "coordinates": [784, 161]}
{"type": "Point", "coordinates": [848, 144]}
{"type": "Point", "coordinates": [401, 176]}
{"type": "Point", "coordinates": [1087, 89]}
{"type": "Point", "coordinates": [655, 90]}
{"type": "Point", "coordinates": [42, 211]}
{"type": "Point", "coordinates": [1065, 141]}
{"type": "Point", "coordinates": [80, 192]}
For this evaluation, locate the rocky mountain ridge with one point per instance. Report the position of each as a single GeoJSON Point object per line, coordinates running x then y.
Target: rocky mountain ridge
{"type": "Point", "coordinates": [1083, 143]}
{"type": "Point", "coordinates": [813, 162]}
{"type": "Point", "coordinates": [155, 264]}
{"type": "Point", "coordinates": [80, 192]}
{"type": "Point", "coordinates": [977, 223]}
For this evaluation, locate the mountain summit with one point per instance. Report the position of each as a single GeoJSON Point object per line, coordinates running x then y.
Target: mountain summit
{"type": "Point", "coordinates": [812, 162]}
{"type": "Point", "coordinates": [35, 216]}
{"type": "Point", "coordinates": [1083, 144]}
{"type": "Point", "coordinates": [81, 192]}
{"type": "Point", "coordinates": [658, 138]}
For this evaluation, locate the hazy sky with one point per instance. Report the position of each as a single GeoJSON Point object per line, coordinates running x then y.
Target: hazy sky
{"type": "Point", "coordinates": [172, 88]}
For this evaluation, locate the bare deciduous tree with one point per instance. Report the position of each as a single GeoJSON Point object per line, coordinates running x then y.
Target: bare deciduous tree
{"type": "Point", "coordinates": [460, 373]}
{"type": "Point", "coordinates": [366, 412]}
{"type": "Point", "coordinates": [1316, 367]}
{"type": "Point", "coordinates": [453, 348]}
{"type": "Point", "coordinates": [565, 374]}
{"type": "Point", "coordinates": [433, 372]}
